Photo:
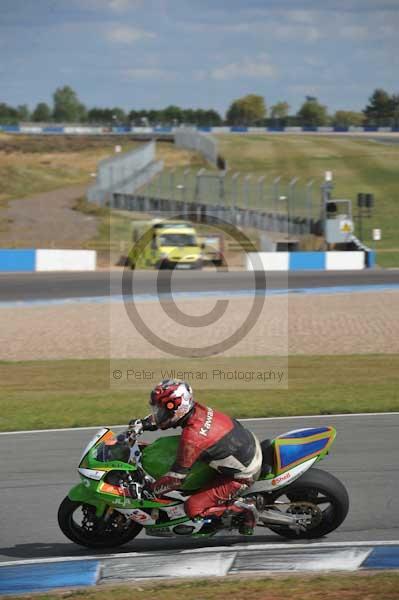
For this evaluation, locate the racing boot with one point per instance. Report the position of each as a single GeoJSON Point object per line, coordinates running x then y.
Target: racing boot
{"type": "Point", "coordinates": [249, 516]}
{"type": "Point", "coordinates": [211, 525]}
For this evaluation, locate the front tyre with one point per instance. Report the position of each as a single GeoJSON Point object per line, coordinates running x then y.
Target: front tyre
{"type": "Point", "coordinates": [79, 523]}
{"type": "Point", "coordinates": [319, 494]}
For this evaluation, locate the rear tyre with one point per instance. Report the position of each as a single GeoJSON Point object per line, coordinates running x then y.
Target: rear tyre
{"type": "Point", "coordinates": [79, 523]}
{"type": "Point", "coordinates": [323, 491]}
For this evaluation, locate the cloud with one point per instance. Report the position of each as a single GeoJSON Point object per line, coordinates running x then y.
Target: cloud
{"type": "Point", "coordinates": [204, 27]}
{"type": "Point", "coordinates": [149, 73]}
{"type": "Point", "coordinates": [112, 5]}
{"type": "Point", "coordinates": [354, 32]}
{"type": "Point", "coordinates": [121, 5]}
{"type": "Point", "coordinates": [295, 32]}
{"type": "Point", "coordinates": [123, 34]}
{"type": "Point", "coordinates": [248, 68]}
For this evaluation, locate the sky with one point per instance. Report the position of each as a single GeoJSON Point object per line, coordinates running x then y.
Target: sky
{"type": "Point", "coordinates": [198, 53]}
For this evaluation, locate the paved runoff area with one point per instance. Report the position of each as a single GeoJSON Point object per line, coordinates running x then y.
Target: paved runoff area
{"type": "Point", "coordinates": [340, 323]}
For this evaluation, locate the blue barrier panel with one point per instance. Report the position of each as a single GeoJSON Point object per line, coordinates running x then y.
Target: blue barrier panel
{"type": "Point", "coordinates": [383, 557]}
{"type": "Point", "coordinates": [121, 130]}
{"type": "Point", "coordinates": [341, 129]}
{"type": "Point", "coordinates": [17, 260]}
{"type": "Point", "coordinates": [204, 128]}
{"type": "Point", "coordinates": [237, 129]}
{"type": "Point", "coordinates": [275, 128]}
{"type": "Point", "coordinates": [394, 128]}
{"type": "Point", "coordinates": [302, 261]}
{"type": "Point", "coordinates": [162, 129]}
{"type": "Point", "coordinates": [22, 579]}
{"type": "Point", "coordinates": [53, 130]}
{"type": "Point", "coordinates": [309, 128]}
{"type": "Point", "coordinates": [370, 259]}
{"type": "Point", "coordinates": [370, 128]}
{"type": "Point", "coordinates": [11, 128]}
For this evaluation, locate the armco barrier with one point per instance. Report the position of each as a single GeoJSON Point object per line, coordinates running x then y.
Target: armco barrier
{"type": "Point", "coordinates": [32, 260]}
{"type": "Point", "coordinates": [308, 261]}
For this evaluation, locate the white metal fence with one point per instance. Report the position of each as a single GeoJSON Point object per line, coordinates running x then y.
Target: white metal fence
{"type": "Point", "coordinates": [125, 173]}
{"type": "Point", "coordinates": [200, 142]}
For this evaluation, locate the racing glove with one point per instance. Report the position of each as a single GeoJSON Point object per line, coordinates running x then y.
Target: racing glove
{"type": "Point", "coordinates": [141, 425]}
{"type": "Point", "coordinates": [168, 482]}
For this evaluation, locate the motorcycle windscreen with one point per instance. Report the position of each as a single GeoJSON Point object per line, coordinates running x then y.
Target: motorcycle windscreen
{"type": "Point", "coordinates": [158, 459]}
{"type": "Point", "coordinates": [296, 447]}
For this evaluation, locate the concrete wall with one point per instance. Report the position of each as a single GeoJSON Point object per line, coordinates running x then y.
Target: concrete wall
{"type": "Point", "coordinates": [29, 260]}
{"type": "Point", "coordinates": [308, 261]}
{"type": "Point", "coordinates": [159, 131]}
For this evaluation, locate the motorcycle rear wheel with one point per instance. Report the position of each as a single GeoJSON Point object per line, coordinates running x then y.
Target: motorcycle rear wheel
{"type": "Point", "coordinates": [112, 536]}
{"type": "Point", "coordinates": [323, 490]}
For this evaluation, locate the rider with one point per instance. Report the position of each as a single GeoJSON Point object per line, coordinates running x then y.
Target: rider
{"type": "Point", "coordinates": [213, 437]}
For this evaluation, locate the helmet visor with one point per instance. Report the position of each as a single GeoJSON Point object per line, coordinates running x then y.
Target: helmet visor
{"type": "Point", "coordinates": [160, 413]}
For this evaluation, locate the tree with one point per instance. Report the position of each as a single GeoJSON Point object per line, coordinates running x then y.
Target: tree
{"type": "Point", "coordinates": [395, 110]}
{"type": "Point", "coordinates": [154, 116]}
{"type": "Point", "coordinates": [346, 118]}
{"type": "Point", "coordinates": [42, 113]}
{"type": "Point", "coordinates": [248, 110]}
{"type": "Point", "coordinates": [212, 118]}
{"type": "Point", "coordinates": [67, 107]}
{"type": "Point", "coordinates": [8, 114]}
{"type": "Point", "coordinates": [312, 113]}
{"type": "Point", "coordinates": [173, 115]}
{"type": "Point", "coordinates": [380, 108]}
{"type": "Point", "coordinates": [23, 112]}
{"type": "Point", "coordinates": [118, 116]}
{"type": "Point", "coordinates": [279, 112]}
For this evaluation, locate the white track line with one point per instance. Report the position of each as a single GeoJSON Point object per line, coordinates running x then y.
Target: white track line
{"type": "Point", "coordinates": [96, 427]}
{"type": "Point", "coordinates": [239, 547]}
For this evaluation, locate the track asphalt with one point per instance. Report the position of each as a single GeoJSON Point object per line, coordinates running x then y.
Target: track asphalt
{"type": "Point", "coordinates": [51, 286]}
{"type": "Point", "coordinates": [38, 469]}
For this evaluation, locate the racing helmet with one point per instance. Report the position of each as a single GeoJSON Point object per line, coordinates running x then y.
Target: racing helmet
{"type": "Point", "coordinates": [171, 400]}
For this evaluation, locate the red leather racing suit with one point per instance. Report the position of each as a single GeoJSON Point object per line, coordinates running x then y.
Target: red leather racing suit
{"type": "Point", "coordinates": [223, 443]}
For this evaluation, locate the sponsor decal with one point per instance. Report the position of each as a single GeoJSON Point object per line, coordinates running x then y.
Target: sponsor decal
{"type": "Point", "coordinates": [280, 479]}
{"type": "Point", "coordinates": [175, 512]}
{"type": "Point", "coordinates": [208, 423]}
{"type": "Point", "coordinates": [120, 501]}
{"type": "Point", "coordinates": [140, 516]}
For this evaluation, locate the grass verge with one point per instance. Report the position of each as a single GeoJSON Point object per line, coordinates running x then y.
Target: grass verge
{"type": "Point", "coordinates": [358, 165]}
{"type": "Point", "coordinates": [75, 393]}
{"type": "Point", "coordinates": [370, 586]}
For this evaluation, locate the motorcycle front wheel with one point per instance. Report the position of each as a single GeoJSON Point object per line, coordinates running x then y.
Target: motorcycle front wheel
{"type": "Point", "coordinates": [318, 495]}
{"type": "Point", "coordinates": [79, 523]}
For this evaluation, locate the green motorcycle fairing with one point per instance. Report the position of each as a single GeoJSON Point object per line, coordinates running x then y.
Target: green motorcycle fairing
{"type": "Point", "coordinates": [159, 456]}
{"type": "Point", "coordinates": [157, 459]}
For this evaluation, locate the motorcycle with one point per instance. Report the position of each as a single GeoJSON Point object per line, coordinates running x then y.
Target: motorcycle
{"type": "Point", "coordinates": [113, 501]}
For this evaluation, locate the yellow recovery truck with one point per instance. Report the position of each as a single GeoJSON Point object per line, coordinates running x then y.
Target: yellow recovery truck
{"type": "Point", "coordinates": [165, 245]}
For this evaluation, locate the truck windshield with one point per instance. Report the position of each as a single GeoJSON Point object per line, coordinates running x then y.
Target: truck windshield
{"type": "Point", "coordinates": [177, 239]}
